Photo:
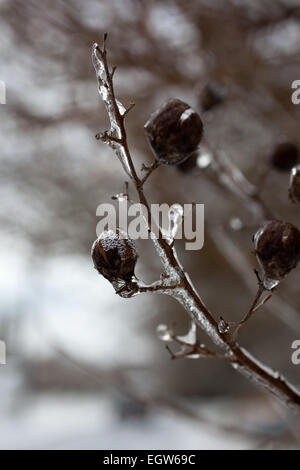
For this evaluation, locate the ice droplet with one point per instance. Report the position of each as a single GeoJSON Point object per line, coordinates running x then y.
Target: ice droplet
{"type": "Point", "coordinates": [164, 333]}
{"type": "Point", "coordinates": [269, 284]}
{"type": "Point", "coordinates": [223, 326]}
{"type": "Point", "coordinates": [193, 356]}
{"type": "Point", "coordinates": [175, 219]}
{"type": "Point", "coordinates": [103, 92]}
{"type": "Point", "coordinates": [190, 305]}
{"type": "Point", "coordinates": [191, 336]}
{"type": "Point", "coordinates": [120, 197]}
{"type": "Point", "coordinates": [122, 108]}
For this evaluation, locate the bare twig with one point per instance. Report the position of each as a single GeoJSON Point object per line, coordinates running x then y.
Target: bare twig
{"type": "Point", "coordinates": [255, 304]}
{"type": "Point", "coordinates": [149, 170]}
{"type": "Point", "coordinates": [193, 349]}
{"type": "Point", "coordinates": [233, 179]}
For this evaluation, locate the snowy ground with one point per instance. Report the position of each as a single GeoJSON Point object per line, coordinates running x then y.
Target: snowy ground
{"type": "Point", "coordinates": [90, 422]}
{"type": "Point", "coordinates": [53, 306]}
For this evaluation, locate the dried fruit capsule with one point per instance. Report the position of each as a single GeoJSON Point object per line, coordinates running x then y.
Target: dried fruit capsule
{"type": "Point", "coordinates": [285, 156]}
{"type": "Point", "coordinates": [277, 247]}
{"type": "Point", "coordinates": [114, 256]}
{"type": "Point", "coordinates": [212, 95]}
{"type": "Point", "coordinates": [294, 188]}
{"type": "Point", "coordinates": [174, 132]}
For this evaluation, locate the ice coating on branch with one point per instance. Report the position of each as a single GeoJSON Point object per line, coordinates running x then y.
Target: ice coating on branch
{"type": "Point", "coordinates": [188, 302]}
{"type": "Point", "coordinates": [185, 295]}
{"type": "Point", "coordinates": [194, 356]}
{"type": "Point", "coordinates": [223, 326]}
{"type": "Point", "coordinates": [103, 86]}
{"type": "Point", "coordinates": [122, 108]}
{"type": "Point", "coordinates": [171, 271]}
{"type": "Point", "coordinates": [191, 336]}
{"type": "Point", "coordinates": [175, 218]}
{"type": "Point", "coordinates": [110, 104]}
{"type": "Point", "coordinates": [121, 154]}
{"type": "Point", "coordinates": [267, 384]}
{"type": "Point", "coordinates": [103, 92]}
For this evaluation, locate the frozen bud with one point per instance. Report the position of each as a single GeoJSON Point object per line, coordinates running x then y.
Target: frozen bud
{"type": "Point", "coordinates": [114, 255]}
{"type": "Point", "coordinates": [277, 247]}
{"type": "Point", "coordinates": [212, 95]}
{"type": "Point", "coordinates": [294, 188]}
{"type": "Point", "coordinates": [223, 326]}
{"type": "Point", "coordinates": [285, 156]}
{"type": "Point", "coordinates": [174, 132]}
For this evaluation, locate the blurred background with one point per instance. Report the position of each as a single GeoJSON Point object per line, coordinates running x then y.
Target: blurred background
{"type": "Point", "coordinates": [85, 368]}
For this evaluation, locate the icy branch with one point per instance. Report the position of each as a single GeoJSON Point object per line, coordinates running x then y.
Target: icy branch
{"type": "Point", "coordinates": [178, 283]}
{"type": "Point", "coordinates": [116, 111]}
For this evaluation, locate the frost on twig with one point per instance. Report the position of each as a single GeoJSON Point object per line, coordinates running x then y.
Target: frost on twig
{"type": "Point", "coordinates": [188, 344]}
{"type": "Point", "coordinates": [175, 220]}
{"type": "Point", "coordinates": [149, 170]}
{"type": "Point", "coordinates": [231, 329]}
{"type": "Point", "coordinates": [116, 111]}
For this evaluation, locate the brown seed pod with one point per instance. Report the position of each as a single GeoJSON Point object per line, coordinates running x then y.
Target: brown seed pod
{"type": "Point", "coordinates": [174, 132]}
{"type": "Point", "coordinates": [294, 188]}
{"type": "Point", "coordinates": [277, 248]}
{"type": "Point", "coordinates": [285, 156]}
{"type": "Point", "coordinates": [114, 255]}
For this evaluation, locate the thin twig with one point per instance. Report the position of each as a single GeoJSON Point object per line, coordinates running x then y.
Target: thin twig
{"type": "Point", "coordinates": [191, 349]}
{"type": "Point", "coordinates": [149, 170]}
{"type": "Point", "coordinates": [263, 302]}
{"type": "Point", "coordinates": [257, 298]}
{"type": "Point", "coordinates": [230, 177]}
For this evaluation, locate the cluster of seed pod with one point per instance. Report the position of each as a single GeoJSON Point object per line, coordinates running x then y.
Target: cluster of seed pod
{"type": "Point", "coordinates": [174, 132]}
